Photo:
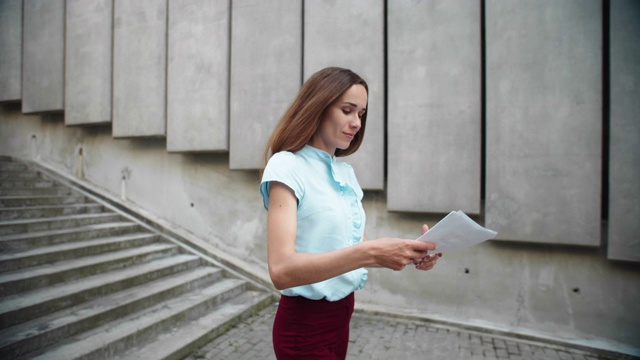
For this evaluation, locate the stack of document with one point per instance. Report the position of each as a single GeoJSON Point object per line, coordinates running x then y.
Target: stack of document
{"type": "Point", "coordinates": [456, 231]}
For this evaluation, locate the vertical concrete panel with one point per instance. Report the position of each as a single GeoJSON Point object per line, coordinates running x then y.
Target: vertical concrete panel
{"type": "Point", "coordinates": [624, 155]}
{"type": "Point", "coordinates": [11, 53]}
{"type": "Point", "coordinates": [350, 34]}
{"type": "Point", "coordinates": [139, 68]}
{"type": "Point", "coordinates": [544, 120]}
{"type": "Point", "coordinates": [198, 75]}
{"type": "Point", "coordinates": [43, 56]}
{"type": "Point", "coordinates": [88, 70]}
{"type": "Point", "coordinates": [266, 68]}
{"type": "Point", "coordinates": [434, 121]}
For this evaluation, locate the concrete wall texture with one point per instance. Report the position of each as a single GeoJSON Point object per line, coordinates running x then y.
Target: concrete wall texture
{"type": "Point", "coordinates": [434, 87]}
{"type": "Point", "coordinates": [544, 120]}
{"type": "Point", "coordinates": [43, 56]}
{"type": "Point", "coordinates": [11, 54]}
{"type": "Point", "coordinates": [256, 102]}
{"type": "Point", "coordinates": [520, 113]}
{"type": "Point", "coordinates": [139, 68]}
{"type": "Point", "coordinates": [624, 171]}
{"type": "Point", "coordinates": [88, 62]}
{"type": "Point", "coordinates": [198, 76]}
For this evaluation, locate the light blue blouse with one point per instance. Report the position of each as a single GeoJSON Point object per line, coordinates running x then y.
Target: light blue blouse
{"type": "Point", "coordinates": [330, 214]}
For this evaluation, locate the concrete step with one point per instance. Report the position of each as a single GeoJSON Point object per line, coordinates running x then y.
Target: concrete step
{"type": "Point", "coordinates": [108, 340]}
{"type": "Point", "coordinates": [28, 200]}
{"type": "Point", "coordinates": [34, 212]}
{"type": "Point", "coordinates": [51, 329]}
{"type": "Point", "coordinates": [50, 254]}
{"type": "Point", "coordinates": [67, 270]}
{"type": "Point", "coordinates": [55, 190]}
{"type": "Point", "coordinates": [78, 280]}
{"type": "Point", "coordinates": [56, 223]}
{"type": "Point", "coordinates": [34, 182]}
{"type": "Point", "coordinates": [7, 166]}
{"type": "Point", "coordinates": [27, 241]}
{"type": "Point", "coordinates": [180, 342]}
{"type": "Point", "coordinates": [17, 174]}
{"type": "Point", "coordinates": [26, 306]}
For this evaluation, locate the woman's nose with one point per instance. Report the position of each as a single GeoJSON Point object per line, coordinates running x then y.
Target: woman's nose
{"type": "Point", "coordinates": [355, 124]}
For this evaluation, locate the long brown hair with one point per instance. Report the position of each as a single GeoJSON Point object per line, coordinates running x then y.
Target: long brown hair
{"type": "Point", "coordinates": [303, 118]}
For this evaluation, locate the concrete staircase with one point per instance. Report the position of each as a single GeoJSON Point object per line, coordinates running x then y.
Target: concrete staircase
{"type": "Point", "coordinates": [81, 280]}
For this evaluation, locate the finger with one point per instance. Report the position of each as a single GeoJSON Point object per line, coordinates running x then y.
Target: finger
{"type": "Point", "coordinates": [427, 265]}
{"type": "Point", "coordinates": [423, 246]}
{"type": "Point", "coordinates": [400, 264]}
{"type": "Point", "coordinates": [430, 257]}
{"type": "Point", "coordinates": [425, 228]}
{"type": "Point", "coordinates": [424, 267]}
{"type": "Point", "coordinates": [429, 262]}
{"type": "Point", "coordinates": [432, 260]}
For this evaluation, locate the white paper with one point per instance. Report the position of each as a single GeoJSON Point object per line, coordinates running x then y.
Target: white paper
{"type": "Point", "coordinates": [456, 231]}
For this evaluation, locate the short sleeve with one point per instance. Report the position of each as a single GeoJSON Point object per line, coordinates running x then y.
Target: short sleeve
{"type": "Point", "coordinates": [281, 167]}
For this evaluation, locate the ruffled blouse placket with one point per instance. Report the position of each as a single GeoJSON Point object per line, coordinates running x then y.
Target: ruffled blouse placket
{"type": "Point", "coordinates": [350, 197]}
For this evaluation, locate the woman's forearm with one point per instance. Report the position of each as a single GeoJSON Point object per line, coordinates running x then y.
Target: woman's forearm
{"type": "Point", "coordinates": [297, 268]}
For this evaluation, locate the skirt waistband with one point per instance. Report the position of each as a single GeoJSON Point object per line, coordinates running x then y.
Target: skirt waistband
{"type": "Point", "coordinates": [317, 304]}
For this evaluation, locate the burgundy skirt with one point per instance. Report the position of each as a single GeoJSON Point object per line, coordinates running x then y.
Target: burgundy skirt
{"type": "Point", "coordinates": [312, 329]}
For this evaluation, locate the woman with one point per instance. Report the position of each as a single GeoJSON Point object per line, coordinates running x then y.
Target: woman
{"type": "Point", "coordinates": [315, 223]}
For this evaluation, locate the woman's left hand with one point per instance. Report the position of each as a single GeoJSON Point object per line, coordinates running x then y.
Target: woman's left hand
{"type": "Point", "coordinates": [429, 261]}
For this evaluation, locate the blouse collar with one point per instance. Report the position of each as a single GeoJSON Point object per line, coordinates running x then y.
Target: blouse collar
{"type": "Point", "coordinates": [316, 153]}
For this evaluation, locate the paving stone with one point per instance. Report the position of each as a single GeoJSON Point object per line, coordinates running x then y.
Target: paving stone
{"type": "Point", "coordinates": [565, 355]}
{"type": "Point", "coordinates": [499, 344]}
{"type": "Point", "coordinates": [502, 352]}
{"type": "Point", "coordinates": [373, 337]}
{"type": "Point", "coordinates": [490, 352]}
{"type": "Point", "coordinates": [513, 349]}
{"type": "Point", "coordinates": [551, 354]}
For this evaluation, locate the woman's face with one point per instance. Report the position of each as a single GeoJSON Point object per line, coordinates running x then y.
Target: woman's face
{"type": "Point", "coordinates": [341, 121]}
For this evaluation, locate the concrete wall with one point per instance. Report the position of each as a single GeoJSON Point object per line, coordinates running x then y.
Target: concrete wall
{"type": "Point", "coordinates": [139, 68]}
{"type": "Point", "coordinates": [544, 122]}
{"type": "Point", "coordinates": [11, 54]}
{"type": "Point", "coordinates": [88, 61]}
{"type": "Point", "coordinates": [434, 121]}
{"type": "Point", "coordinates": [198, 75]}
{"type": "Point", "coordinates": [43, 56]}
{"type": "Point", "coordinates": [261, 90]}
{"type": "Point", "coordinates": [624, 165]}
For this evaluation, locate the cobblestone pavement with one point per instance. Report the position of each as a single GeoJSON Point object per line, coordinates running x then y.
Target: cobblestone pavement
{"type": "Point", "coordinates": [378, 337]}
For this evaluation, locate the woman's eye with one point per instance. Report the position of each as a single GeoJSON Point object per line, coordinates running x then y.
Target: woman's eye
{"type": "Point", "coordinates": [346, 111]}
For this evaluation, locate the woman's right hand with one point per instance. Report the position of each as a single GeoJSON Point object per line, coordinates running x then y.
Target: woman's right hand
{"type": "Point", "coordinates": [396, 253]}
